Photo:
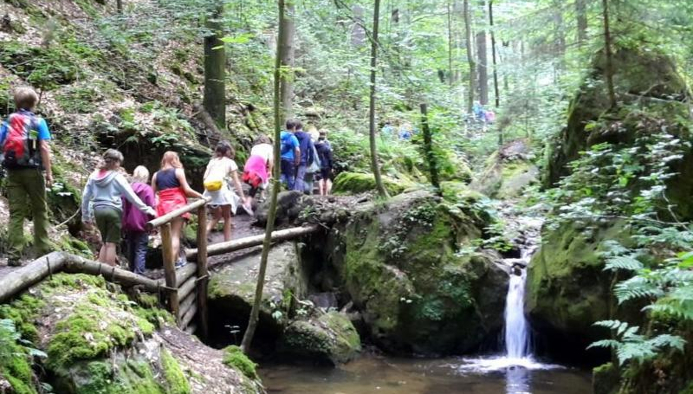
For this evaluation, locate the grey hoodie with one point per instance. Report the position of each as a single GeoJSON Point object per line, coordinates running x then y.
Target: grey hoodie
{"type": "Point", "coordinates": [104, 189]}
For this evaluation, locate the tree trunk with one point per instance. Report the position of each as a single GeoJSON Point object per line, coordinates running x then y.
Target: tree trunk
{"type": "Point", "coordinates": [560, 34]}
{"type": "Point", "coordinates": [119, 6]}
{"type": "Point", "coordinates": [278, 77]}
{"type": "Point", "coordinates": [496, 91]}
{"type": "Point", "coordinates": [428, 149]}
{"type": "Point", "coordinates": [470, 56]}
{"type": "Point", "coordinates": [371, 124]}
{"type": "Point", "coordinates": [581, 14]}
{"type": "Point", "coordinates": [450, 45]}
{"type": "Point", "coordinates": [287, 60]}
{"type": "Point", "coordinates": [482, 56]}
{"type": "Point", "coordinates": [214, 100]}
{"type": "Point", "coordinates": [609, 68]}
{"type": "Point", "coordinates": [358, 34]}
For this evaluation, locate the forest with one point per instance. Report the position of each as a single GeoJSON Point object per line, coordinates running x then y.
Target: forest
{"type": "Point", "coordinates": [346, 196]}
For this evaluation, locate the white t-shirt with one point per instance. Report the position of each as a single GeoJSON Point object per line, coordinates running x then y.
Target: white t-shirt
{"type": "Point", "coordinates": [219, 168]}
{"type": "Point", "coordinates": [263, 150]}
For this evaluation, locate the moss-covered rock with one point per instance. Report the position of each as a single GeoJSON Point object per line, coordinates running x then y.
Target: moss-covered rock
{"type": "Point", "coordinates": [352, 182]}
{"type": "Point", "coordinates": [329, 339]}
{"type": "Point", "coordinates": [232, 291]}
{"type": "Point", "coordinates": [605, 379]}
{"type": "Point", "coordinates": [235, 358]}
{"type": "Point", "coordinates": [507, 172]}
{"type": "Point", "coordinates": [401, 264]}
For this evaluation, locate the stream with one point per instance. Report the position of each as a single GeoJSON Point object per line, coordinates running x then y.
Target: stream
{"type": "Point", "coordinates": [514, 371]}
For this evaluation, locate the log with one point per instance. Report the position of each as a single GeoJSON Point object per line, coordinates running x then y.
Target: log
{"type": "Point", "coordinates": [161, 220]}
{"type": "Point", "coordinates": [185, 273]}
{"type": "Point", "coordinates": [255, 240]}
{"type": "Point", "coordinates": [170, 270]}
{"type": "Point", "coordinates": [188, 316]}
{"type": "Point", "coordinates": [27, 276]}
{"type": "Point", "coordinates": [202, 273]}
{"type": "Point", "coordinates": [76, 264]}
{"type": "Point", "coordinates": [187, 303]}
{"type": "Point", "coordinates": [187, 288]}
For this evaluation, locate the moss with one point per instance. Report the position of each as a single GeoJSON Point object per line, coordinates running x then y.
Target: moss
{"type": "Point", "coordinates": [605, 379]}
{"type": "Point", "coordinates": [15, 361]}
{"type": "Point", "coordinates": [352, 182]}
{"type": "Point", "coordinates": [176, 382]}
{"type": "Point", "coordinates": [234, 358]}
{"type": "Point", "coordinates": [103, 377]}
{"type": "Point", "coordinates": [23, 312]}
{"type": "Point", "coordinates": [44, 67]}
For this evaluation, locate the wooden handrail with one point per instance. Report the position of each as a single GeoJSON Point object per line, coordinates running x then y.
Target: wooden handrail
{"type": "Point", "coordinates": [161, 220]}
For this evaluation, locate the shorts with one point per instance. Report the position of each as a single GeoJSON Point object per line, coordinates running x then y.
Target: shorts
{"type": "Point", "coordinates": [108, 221]}
{"type": "Point", "coordinates": [325, 173]}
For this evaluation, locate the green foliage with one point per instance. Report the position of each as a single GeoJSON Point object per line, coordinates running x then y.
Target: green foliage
{"type": "Point", "coordinates": [236, 359]}
{"type": "Point", "coordinates": [45, 68]}
{"type": "Point", "coordinates": [15, 358]}
{"type": "Point", "coordinates": [176, 381]}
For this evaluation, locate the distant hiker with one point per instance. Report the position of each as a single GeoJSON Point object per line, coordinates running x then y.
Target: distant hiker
{"type": "Point", "coordinates": [387, 131]}
{"type": "Point", "coordinates": [290, 154]}
{"type": "Point", "coordinates": [478, 110]}
{"type": "Point", "coordinates": [405, 132]}
{"type": "Point", "coordinates": [25, 153]}
{"type": "Point", "coordinates": [489, 117]}
{"type": "Point", "coordinates": [324, 151]}
{"type": "Point", "coordinates": [224, 200]}
{"type": "Point", "coordinates": [258, 168]}
{"type": "Point", "coordinates": [306, 149]}
{"type": "Point", "coordinates": [101, 200]}
{"type": "Point", "coordinates": [135, 222]}
{"type": "Point", "coordinates": [173, 190]}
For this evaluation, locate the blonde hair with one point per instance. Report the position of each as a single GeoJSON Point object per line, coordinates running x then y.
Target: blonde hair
{"type": "Point", "coordinates": [141, 174]}
{"type": "Point", "coordinates": [171, 158]}
{"type": "Point", "coordinates": [25, 98]}
{"type": "Point", "coordinates": [112, 159]}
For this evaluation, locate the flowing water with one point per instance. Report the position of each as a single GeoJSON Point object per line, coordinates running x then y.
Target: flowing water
{"type": "Point", "coordinates": [515, 371]}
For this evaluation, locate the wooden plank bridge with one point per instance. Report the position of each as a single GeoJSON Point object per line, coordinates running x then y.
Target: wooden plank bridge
{"type": "Point", "coordinates": [183, 290]}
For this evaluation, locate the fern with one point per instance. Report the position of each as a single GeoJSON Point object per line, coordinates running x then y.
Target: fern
{"type": "Point", "coordinates": [626, 263]}
{"type": "Point", "coordinates": [633, 346]}
{"type": "Point", "coordinates": [637, 287]}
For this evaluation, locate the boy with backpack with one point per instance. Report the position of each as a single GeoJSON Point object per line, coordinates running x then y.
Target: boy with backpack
{"type": "Point", "coordinates": [25, 154]}
{"type": "Point", "coordinates": [290, 154]}
{"type": "Point", "coordinates": [306, 149]}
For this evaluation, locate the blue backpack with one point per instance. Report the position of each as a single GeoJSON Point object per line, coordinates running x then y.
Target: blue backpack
{"type": "Point", "coordinates": [286, 142]}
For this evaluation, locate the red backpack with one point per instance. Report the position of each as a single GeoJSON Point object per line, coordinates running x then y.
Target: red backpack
{"type": "Point", "coordinates": [20, 148]}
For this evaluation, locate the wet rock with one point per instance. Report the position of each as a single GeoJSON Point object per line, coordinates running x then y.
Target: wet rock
{"type": "Point", "coordinates": [290, 205]}
{"type": "Point", "coordinates": [507, 172]}
{"type": "Point", "coordinates": [330, 339]}
{"type": "Point", "coordinates": [324, 300]}
{"type": "Point", "coordinates": [401, 265]}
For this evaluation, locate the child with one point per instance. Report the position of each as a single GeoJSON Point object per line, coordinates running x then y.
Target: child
{"type": "Point", "coordinates": [173, 189]}
{"type": "Point", "coordinates": [219, 169]}
{"type": "Point", "coordinates": [258, 168]}
{"type": "Point", "coordinates": [135, 222]}
{"type": "Point", "coordinates": [105, 187]}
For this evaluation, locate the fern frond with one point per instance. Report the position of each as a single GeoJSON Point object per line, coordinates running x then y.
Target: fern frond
{"type": "Point", "coordinates": [611, 324]}
{"type": "Point", "coordinates": [627, 263]}
{"type": "Point", "coordinates": [636, 287]}
{"type": "Point", "coordinates": [605, 344]}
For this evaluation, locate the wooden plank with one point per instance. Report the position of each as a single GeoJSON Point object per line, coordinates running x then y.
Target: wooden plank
{"type": "Point", "coordinates": [188, 316]}
{"type": "Point", "coordinates": [170, 270]}
{"type": "Point", "coordinates": [202, 272]}
{"type": "Point", "coordinates": [186, 303]}
{"type": "Point", "coordinates": [161, 220]}
{"type": "Point", "coordinates": [187, 288]}
{"type": "Point", "coordinates": [183, 274]}
{"type": "Point", "coordinates": [27, 276]}
{"type": "Point", "coordinates": [255, 240]}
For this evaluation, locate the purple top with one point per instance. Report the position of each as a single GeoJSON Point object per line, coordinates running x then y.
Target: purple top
{"type": "Point", "coordinates": [135, 220]}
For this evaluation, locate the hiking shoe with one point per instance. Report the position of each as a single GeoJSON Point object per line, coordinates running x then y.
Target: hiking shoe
{"type": "Point", "coordinates": [248, 208]}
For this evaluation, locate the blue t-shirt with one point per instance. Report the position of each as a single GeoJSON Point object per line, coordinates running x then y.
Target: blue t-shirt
{"type": "Point", "coordinates": [43, 132]}
{"type": "Point", "coordinates": [289, 144]}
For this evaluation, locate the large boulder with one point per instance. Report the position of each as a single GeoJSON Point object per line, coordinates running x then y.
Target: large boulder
{"type": "Point", "coordinates": [507, 172]}
{"type": "Point", "coordinates": [290, 205]}
{"type": "Point", "coordinates": [329, 339]}
{"type": "Point", "coordinates": [401, 264]}
{"type": "Point", "coordinates": [94, 339]}
{"type": "Point", "coordinates": [232, 291]}
{"type": "Point", "coordinates": [353, 182]}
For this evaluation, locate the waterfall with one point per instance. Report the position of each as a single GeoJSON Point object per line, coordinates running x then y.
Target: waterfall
{"type": "Point", "coordinates": [516, 326]}
{"type": "Point", "coordinates": [516, 335]}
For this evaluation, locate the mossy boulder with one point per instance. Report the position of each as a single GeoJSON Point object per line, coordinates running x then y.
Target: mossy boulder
{"type": "Point", "coordinates": [401, 264]}
{"type": "Point", "coordinates": [329, 339]}
{"type": "Point", "coordinates": [353, 183]}
{"type": "Point", "coordinates": [507, 172]}
{"type": "Point", "coordinates": [290, 205]}
{"type": "Point", "coordinates": [97, 340]}
{"type": "Point", "coordinates": [568, 289]}
{"type": "Point", "coordinates": [232, 291]}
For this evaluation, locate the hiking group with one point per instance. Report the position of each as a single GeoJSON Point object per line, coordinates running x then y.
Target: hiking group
{"type": "Point", "coordinates": [121, 208]}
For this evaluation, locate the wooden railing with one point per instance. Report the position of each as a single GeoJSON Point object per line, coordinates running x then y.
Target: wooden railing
{"type": "Point", "coordinates": [184, 303]}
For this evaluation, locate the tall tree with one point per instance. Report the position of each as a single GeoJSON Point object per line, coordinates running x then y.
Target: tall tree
{"type": "Point", "coordinates": [431, 159]}
{"type": "Point", "coordinates": [279, 77]}
{"type": "Point", "coordinates": [214, 100]}
{"type": "Point", "coordinates": [496, 91]}
{"type": "Point", "coordinates": [119, 6]}
{"type": "Point", "coordinates": [482, 55]}
{"type": "Point", "coordinates": [608, 60]}
{"type": "Point", "coordinates": [451, 80]}
{"type": "Point", "coordinates": [358, 33]}
{"type": "Point", "coordinates": [470, 55]}
{"type": "Point", "coordinates": [287, 50]}
{"type": "Point", "coordinates": [371, 124]}
{"type": "Point", "coordinates": [582, 24]}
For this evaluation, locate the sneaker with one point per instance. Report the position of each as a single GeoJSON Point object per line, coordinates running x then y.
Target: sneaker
{"type": "Point", "coordinates": [180, 263]}
{"type": "Point", "coordinates": [248, 208]}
